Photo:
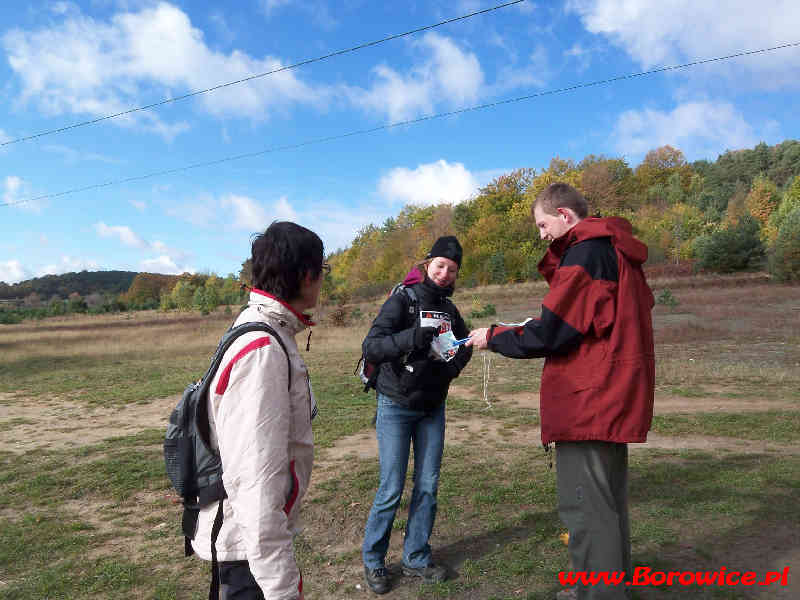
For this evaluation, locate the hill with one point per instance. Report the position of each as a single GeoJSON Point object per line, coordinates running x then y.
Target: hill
{"type": "Point", "coordinates": [720, 216]}
{"type": "Point", "coordinates": [84, 283]}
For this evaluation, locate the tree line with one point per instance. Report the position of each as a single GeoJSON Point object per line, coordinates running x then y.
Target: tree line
{"type": "Point", "coordinates": [738, 212]}
{"type": "Point", "coordinates": [202, 292]}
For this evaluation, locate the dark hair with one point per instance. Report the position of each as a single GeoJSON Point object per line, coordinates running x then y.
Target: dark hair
{"type": "Point", "coordinates": [282, 256]}
{"type": "Point", "coordinates": [561, 195]}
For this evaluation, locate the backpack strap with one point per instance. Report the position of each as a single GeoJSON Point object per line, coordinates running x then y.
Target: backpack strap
{"type": "Point", "coordinates": [201, 418]}
{"type": "Point", "coordinates": [213, 591]}
{"type": "Point", "coordinates": [203, 427]}
{"type": "Point", "coordinates": [409, 292]}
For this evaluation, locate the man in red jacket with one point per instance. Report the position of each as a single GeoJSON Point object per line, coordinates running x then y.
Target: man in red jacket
{"type": "Point", "coordinates": [596, 333]}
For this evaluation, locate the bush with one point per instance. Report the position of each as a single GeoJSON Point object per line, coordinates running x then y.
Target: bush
{"type": "Point", "coordinates": [667, 298]}
{"type": "Point", "coordinates": [339, 316]}
{"type": "Point", "coordinates": [731, 248]}
{"type": "Point", "coordinates": [485, 311]}
{"type": "Point", "coordinates": [784, 261]}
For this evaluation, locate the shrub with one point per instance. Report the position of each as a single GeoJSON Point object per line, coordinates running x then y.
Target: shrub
{"type": "Point", "coordinates": [478, 311]}
{"type": "Point", "coordinates": [732, 248]}
{"type": "Point", "coordinates": [784, 261]}
{"type": "Point", "coordinates": [339, 317]}
{"type": "Point", "coordinates": [667, 299]}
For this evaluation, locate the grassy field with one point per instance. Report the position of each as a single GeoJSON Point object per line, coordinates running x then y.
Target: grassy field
{"type": "Point", "coordinates": [86, 510]}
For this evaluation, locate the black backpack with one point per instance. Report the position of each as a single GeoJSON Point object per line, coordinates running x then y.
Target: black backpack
{"type": "Point", "coordinates": [368, 371]}
{"type": "Point", "coordinates": [192, 465]}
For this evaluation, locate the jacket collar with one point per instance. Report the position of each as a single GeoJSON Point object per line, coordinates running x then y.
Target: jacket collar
{"type": "Point", "coordinates": [280, 310]}
{"type": "Point", "coordinates": [434, 291]}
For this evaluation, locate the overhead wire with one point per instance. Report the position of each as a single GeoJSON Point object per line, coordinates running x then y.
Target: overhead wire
{"type": "Point", "coordinates": [258, 75]}
{"type": "Point", "coordinates": [395, 124]}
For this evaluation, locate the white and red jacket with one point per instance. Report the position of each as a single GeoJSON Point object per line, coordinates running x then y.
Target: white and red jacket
{"type": "Point", "coordinates": [265, 440]}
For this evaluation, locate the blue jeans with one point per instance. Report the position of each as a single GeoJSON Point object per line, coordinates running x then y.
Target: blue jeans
{"type": "Point", "coordinates": [397, 428]}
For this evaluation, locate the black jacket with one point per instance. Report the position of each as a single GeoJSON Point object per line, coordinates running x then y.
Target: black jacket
{"type": "Point", "coordinates": [390, 342]}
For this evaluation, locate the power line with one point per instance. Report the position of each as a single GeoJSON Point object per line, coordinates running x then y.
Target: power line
{"type": "Point", "coordinates": [259, 75]}
{"type": "Point", "coordinates": [387, 126]}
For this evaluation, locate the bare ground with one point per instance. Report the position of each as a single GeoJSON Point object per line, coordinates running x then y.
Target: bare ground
{"type": "Point", "coordinates": [29, 423]}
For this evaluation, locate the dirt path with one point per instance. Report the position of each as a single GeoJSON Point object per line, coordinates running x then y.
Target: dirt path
{"type": "Point", "coordinates": [30, 423]}
{"type": "Point", "coordinates": [664, 404]}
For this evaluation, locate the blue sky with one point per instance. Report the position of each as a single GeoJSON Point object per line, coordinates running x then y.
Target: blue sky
{"type": "Point", "coordinates": [66, 62]}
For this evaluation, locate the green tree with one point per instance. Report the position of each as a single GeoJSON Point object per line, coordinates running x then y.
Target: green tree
{"type": "Point", "coordinates": [730, 248]}
{"type": "Point", "coordinates": [56, 305]}
{"type": "Point", "coordinates": [789, 202]}
{"type": "Point", "coordinates": [183, 295]}
{"type": "Point", "coordinates": [784, 260]}
{"type": "Point", "coordinates": [199, 299]}
{"type": "Point", "coordinates": [76, 303]}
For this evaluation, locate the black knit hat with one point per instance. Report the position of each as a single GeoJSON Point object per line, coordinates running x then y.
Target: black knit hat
{"type": "Point", "coordinates": [447, 247]}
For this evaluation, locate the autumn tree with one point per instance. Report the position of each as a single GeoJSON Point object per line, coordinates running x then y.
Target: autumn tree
{"type": "Point", "coordinates": [605, 183]}
{"type": "Point", "coordinates": [762, 200]}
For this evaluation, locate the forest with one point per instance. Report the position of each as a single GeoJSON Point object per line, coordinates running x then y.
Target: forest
{"type": "Point", "coordinates": [739, 212]}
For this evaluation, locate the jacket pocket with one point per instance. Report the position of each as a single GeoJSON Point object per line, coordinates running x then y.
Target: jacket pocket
{"type": "Point", "coordinates": [412, 375]}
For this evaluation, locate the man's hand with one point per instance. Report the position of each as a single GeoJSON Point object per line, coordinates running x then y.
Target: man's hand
{"type": "Point", "coordinates": [477, 338]}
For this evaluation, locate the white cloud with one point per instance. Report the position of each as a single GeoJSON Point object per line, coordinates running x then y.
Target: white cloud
{"type": "Point", "coordinates": [700, 129]}
{"type": "Point", "coordinates": [93, 67]}
{"type": "Point", "coordinates": [11, 188]}
{"type": "Point", "coordinates": [317, 11]}
{"type": "Point", "coordinates": [659, 33]}
{"type": "Point", "coordinates": [270, 5]}
{"type": "Point", "coordinates": [449, 75]}
{"type": "Point", "coordinates": [284, 210]}
{"type": "Point", "coordinates": [68, 264]}
{"type": "Point", "coordinates": [247, 213]}
{"type": "Point", "coordinates": [62, 8]}
{"type": "Point", "coordinates": [129, 238]}
{"type": "Point", "coordinates": [139, 205]}
{"type": "Point", "coordinates": [122, 232]}
{"type": "Point", "coordinates": [165, 265]}
{"type": "Point", "coordinates": [535, 73]}
{"type": "Point", "coordinates": [15, 192]}
{"type": "Point", "coordinates": [428, 184]}
{"type": "Point", "coordinates": [72, 156]}
{"type": "Point", "coordinates": [234, 211]}
{"type": "Point", "coordinates": [11, 271]}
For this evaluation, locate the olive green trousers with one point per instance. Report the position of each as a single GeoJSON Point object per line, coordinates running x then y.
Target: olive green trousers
{"type": "Point", "coordinates": [592, 480]}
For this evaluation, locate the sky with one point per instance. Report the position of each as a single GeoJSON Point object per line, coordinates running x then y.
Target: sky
{"type": "Point", "coordinates": [63, 63]}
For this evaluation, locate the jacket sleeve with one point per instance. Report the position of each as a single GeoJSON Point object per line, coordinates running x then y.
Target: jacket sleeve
{"type": "Point", "coordinates": [253, 424]}
{"type": "Point", "coordinates": [581, 300]}
{"type": "Point", "coordinates": [389, 338]}
{"type": "Point", "coordinates": [464, 354]}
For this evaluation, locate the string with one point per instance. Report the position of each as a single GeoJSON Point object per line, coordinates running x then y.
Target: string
{"type": "Point", "coordinates": [487, 365]}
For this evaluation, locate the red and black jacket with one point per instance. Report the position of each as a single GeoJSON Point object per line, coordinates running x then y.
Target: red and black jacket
{"type": "Point", "coordinates": [597, 335]}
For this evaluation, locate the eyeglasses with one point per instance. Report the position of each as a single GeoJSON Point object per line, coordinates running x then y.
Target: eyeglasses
{"type": "Point", "coordinates": [326, 268]}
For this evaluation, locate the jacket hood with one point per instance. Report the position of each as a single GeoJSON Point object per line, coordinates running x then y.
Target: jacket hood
{"type": "Point", "coordinates": [414, 276]}
{"type": "Point", "coordinates": [618, 229]}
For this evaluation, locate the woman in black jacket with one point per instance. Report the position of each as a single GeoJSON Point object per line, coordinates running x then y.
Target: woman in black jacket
{"type": "Point", "coordinates": [412, 339]}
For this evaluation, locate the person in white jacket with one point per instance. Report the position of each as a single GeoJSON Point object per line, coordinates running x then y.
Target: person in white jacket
{"type": "Point", "coordinates": [262, 426]}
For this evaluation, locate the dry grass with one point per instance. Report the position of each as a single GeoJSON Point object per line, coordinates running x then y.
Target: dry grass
{"type": "Point", "coordinates": [99, 506]}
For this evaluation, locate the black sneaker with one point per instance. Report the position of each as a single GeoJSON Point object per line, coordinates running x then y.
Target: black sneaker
{"type": "Point", "coordinates": [430, 574]}
{"type": "Point", "coordinates": [377, 579]}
